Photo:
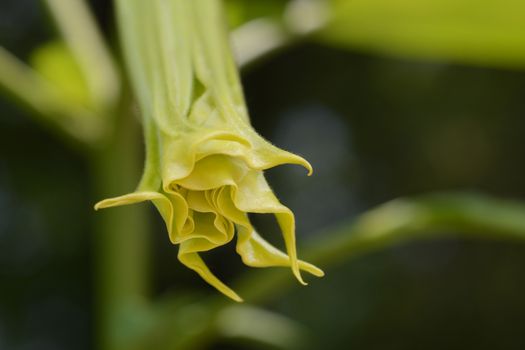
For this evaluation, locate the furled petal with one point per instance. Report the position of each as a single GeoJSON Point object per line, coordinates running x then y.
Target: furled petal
{"type": "Point", "coordinates": [172, 207]}
{"type": "Point", "coordinates": [257, 252]}
{"type": "Point", "coordinates": [253, 249]}
{"type": "Point", "coordinates": [179, 155]}
{"type": "Point", "coordinates": [253, 195]}
{"type": "Point", "coordinates": [195, 262]}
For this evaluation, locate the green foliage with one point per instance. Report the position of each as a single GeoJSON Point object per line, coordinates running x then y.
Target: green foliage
{"type": "Point", "coordinates": [241, 11]}
{"type": "Point", "coordinates": [55, 63]}
{"type": "Point", "coordinates": [486, 32]}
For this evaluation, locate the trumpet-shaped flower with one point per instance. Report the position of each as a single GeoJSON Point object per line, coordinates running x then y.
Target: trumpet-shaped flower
{"type": "Point", "coordinates": [204, 162]}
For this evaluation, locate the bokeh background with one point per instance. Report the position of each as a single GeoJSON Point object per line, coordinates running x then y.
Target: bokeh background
{"type": "Point", "coordinates": [375, 127]}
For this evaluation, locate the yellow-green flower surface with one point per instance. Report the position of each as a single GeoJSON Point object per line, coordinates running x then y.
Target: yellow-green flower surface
{"type": "Point", "coordinates": [204, 162]}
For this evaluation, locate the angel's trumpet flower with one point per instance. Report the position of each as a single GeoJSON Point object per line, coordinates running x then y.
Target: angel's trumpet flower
{"type": "Point", "coordinates": [204, 161]}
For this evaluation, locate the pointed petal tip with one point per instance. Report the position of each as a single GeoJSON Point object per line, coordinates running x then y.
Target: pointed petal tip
{"type": "Point", "coordinates": [307, 166]}
{"type": "Point", "coordinates": [311, 269]}
{"type": "Point", "coordinates": [100, 205]}
{"type": "Point", "coordinates": [108, 203]}
{"type": "Point", "coordinates": [227, 292]}
{"type": "Point", "coordinates": [314, 270]}
{"type": "Point", "coordinates": [237, 298]}
{"type": "Point", "coordinates": [318, 273]}
{"type": "Point", "coordinates": [297, 274]}
{"type": "Point", "coordinates": [298, 160]}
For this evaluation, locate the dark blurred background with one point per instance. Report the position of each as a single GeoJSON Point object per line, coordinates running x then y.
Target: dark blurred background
{"type": "Point", "coordinates": [374, 128]}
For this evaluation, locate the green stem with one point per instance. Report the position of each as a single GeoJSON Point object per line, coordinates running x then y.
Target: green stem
{"type": "Point", "coordinates": [263, 37]}
{"type": "Point", "coordinates": [259, 38]}
{"type": "Point", "coordinates": [121, 241]}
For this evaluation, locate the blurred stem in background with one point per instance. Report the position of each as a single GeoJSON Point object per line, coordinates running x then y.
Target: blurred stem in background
{"type": "Point", "coordinates": [121, 244]}
{"type": "Point", "coordinates": [121, 238]}
{"type": "Point", "coordinates": [264, 36]}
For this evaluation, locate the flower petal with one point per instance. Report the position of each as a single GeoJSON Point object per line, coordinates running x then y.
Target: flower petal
{"type": "Point", "coordinates": [253, 249]}
{"type": "Point", "coordinates": [257, 252]}
{"type": "Point", "coordinates": [253, 195]}
{"type": "Point", "coordinates": [195, 262]}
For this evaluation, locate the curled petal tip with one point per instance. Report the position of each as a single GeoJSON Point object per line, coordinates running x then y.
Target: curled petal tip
{"type": "Point", "coordinates": [297, 275]}
{"type": "Point", "coordinates": [107, 203]}
{"type": "Point", "coordinates": [99, 205]}
{"type": "Point", "coordinates": [308, 167]}
{"type": "Point", "coordinates": [298, 160]}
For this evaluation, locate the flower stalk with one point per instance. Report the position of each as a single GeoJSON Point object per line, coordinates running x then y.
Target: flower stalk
{"type": "Point", "coordinates": [204, 162]}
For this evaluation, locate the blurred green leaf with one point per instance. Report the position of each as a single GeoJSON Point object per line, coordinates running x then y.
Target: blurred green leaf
{"type": "Point", "coordinates": [81, 34]}
{"type": "Point", "coordinates": [48, 102]}
{"type": "Point", "coordinates": [242, 11]}
{"type": "Point", "coordinates": [199, 323]}
{"type": "Point", "coordinates": [170, 323]}
{"type": "Point", "coordinates": [483, 32]}
{"type": "Point", "coordinates": [55, 62]}
{"type": "Point", "coordinates": [395, 222]}
{"type": "Point", "coordinates": [248, 323]}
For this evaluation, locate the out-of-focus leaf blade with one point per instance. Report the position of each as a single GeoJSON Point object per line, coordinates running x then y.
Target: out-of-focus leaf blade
{"type": "Point", "coordinates": [398, 221]}
{"type": "Point", "coordinates": [55, 63]}
{"type": "Point", "coordinates": [251, 324]}
{"type": "Point", "coordinates": [86, 44]}
{"type": "Point", "coordinates": [242, 11]}
{"type": "Point", "coordinates": [50, 105]}
{"type": "Point", "coordinates": [483, 32]}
